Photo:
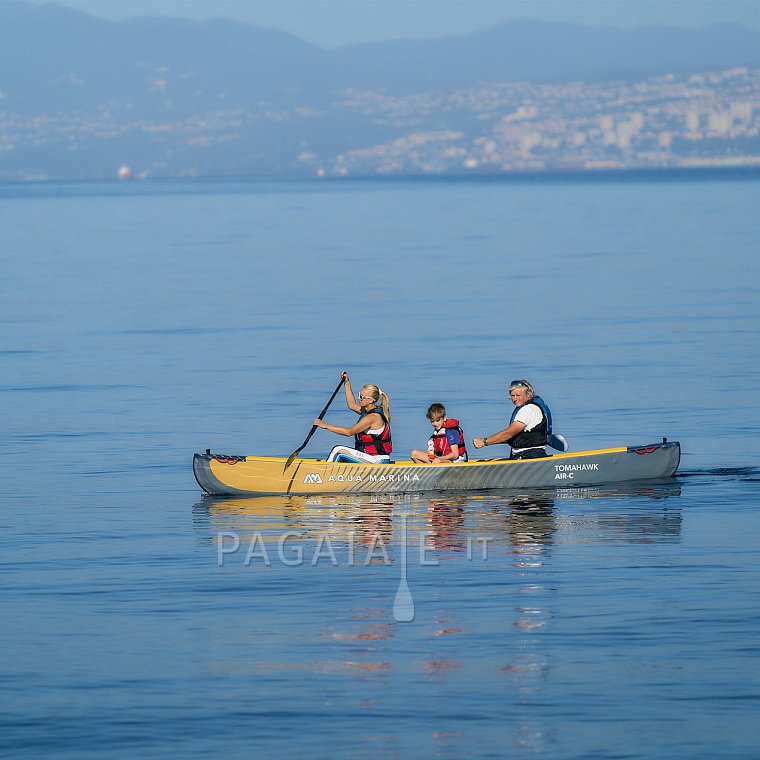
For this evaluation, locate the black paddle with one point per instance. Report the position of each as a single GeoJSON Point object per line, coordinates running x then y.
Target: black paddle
{"type": "Point", "coordinates": [313, 427]}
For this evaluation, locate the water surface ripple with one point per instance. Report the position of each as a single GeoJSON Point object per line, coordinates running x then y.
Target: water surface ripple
{"type": "Point", "coordinates": [143, 322]}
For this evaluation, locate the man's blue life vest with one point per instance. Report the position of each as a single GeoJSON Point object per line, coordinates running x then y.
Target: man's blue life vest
{"type": "Point", "coordinates": [528, 439]}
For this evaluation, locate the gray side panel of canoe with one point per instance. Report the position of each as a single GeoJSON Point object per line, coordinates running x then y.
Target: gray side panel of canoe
{"type": "Point", "coordinates": [658, 462]}
{"type": "Point", "coordinates": [583, 470]}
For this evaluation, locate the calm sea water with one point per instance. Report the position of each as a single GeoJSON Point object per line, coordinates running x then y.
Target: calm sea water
{"type": "Point", "coordinates": [143, 322]}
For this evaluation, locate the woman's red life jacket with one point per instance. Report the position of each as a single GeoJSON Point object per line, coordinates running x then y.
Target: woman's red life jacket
{"type": "Point", "coordinates": [441, 446]}
{"type": "Point", "coordinates": [375, 445]}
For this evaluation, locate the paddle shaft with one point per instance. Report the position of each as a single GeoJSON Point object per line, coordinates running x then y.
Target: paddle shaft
{"type": "Point", "coordinates": [314, 427]}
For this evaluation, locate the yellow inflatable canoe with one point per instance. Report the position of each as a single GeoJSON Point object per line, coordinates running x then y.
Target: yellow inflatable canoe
{"type": "Point", "coordinates": [254, 475]}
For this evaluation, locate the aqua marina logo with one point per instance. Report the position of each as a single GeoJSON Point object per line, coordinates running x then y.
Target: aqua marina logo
{"type": "Point", "coordinates": [312, 477]}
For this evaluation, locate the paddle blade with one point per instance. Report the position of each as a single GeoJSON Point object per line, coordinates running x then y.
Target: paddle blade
{"type": "Point", "coordinates": [291, 458]}
{"type": "Point", "coordinates": [558, 442]}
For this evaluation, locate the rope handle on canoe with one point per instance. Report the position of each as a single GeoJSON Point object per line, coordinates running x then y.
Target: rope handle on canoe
{"type": "Point", "coordinates": [641, 450]}
{"type": "Point", "coordinates": [225, 458]}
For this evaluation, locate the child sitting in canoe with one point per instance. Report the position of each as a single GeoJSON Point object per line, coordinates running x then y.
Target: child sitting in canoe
{"type": "Point", "coordinates": [446, 444]}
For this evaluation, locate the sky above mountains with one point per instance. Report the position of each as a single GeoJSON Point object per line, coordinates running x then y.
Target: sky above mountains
{"type": "Point", "coordinates": [331, 23]}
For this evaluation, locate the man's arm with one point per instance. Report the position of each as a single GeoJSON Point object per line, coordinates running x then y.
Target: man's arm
{"type": "Point", "coordinates": [501, 437]}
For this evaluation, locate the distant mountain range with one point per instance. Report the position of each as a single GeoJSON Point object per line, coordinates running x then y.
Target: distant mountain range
{"type": "Point", "coordinates": [58, 64]}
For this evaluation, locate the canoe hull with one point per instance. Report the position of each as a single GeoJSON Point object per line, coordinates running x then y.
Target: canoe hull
{"type": "Point", "coordinates": [251, 476]}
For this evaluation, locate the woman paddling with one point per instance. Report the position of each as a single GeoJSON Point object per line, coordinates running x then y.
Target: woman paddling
{"type": "Point", "coordinates": [372, 431]}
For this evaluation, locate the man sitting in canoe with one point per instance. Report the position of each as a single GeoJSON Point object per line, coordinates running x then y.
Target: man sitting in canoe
{"type": "Point", "coordinates": [528, 427]}
{"type": "Point", "coordinates": [372, 432]}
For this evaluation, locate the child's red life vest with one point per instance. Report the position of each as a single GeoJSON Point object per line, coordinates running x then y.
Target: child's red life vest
{"type": "Point", "coordinates": [440, 441]}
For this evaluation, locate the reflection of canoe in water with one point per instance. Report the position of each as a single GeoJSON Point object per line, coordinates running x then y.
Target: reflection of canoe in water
{"type": "Point", "coordinates": [640, 511]}
{"type": "Point", "coordinates": [250, 476]}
